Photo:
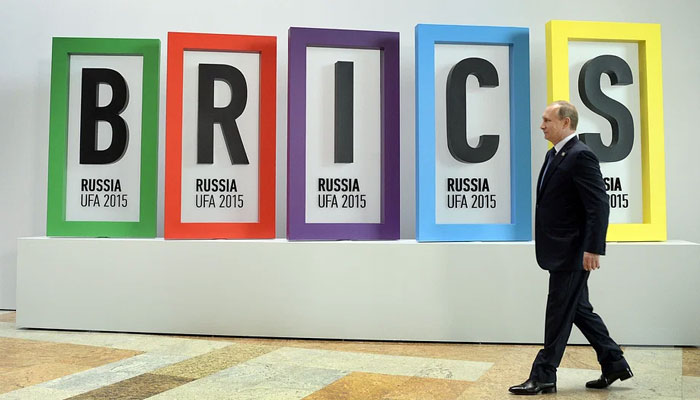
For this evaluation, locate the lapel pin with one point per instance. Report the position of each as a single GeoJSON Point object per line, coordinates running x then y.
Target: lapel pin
{"type": "Point", "coordinates": [563, 153]}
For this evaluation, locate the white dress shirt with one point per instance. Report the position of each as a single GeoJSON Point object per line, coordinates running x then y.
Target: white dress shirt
{"type": "Point", "coordinates": [558, 146]}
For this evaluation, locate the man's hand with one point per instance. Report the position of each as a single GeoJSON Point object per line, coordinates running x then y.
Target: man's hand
{"type": "Point", "coordinates": [591, 261]}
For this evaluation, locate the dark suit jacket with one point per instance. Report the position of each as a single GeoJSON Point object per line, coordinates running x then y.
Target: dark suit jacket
{"type": "Point", "coordinates": [571, 215]}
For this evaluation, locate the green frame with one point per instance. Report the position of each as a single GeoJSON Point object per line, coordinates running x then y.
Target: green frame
{"type": "Point", "coordinates": [63, 48]}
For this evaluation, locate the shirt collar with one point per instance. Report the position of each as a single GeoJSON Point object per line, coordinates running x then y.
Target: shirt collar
{"type": "Point", "coordinates": [560, 145]}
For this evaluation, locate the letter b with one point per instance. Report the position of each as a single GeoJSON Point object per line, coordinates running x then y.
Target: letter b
{"type": "Point", "coordinates": [91, 113]}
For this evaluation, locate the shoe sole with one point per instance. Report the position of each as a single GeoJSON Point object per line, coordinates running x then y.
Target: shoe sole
{"type": "Point", "coordinates": [543, 391]}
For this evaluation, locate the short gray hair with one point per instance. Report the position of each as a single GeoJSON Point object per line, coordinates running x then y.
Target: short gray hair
{"type": "Point", "coordinates": [567, 110]}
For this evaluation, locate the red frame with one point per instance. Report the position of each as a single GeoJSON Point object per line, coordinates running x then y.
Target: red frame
{"type": "Point", "coordinates": [266, 46]}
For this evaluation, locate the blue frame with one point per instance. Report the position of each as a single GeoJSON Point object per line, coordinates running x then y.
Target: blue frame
{"type": "Point", "coordinates": [520, 228]}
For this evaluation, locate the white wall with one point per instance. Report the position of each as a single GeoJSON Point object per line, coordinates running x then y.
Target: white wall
{"type": "Point", "coordinates": [26, 29]}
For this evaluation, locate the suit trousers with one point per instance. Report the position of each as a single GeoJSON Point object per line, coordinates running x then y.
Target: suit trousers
{"type": "Point", "coordinates": [568, 304]}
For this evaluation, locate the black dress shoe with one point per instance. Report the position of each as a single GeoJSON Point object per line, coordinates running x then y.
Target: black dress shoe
{"type": "Point", "coordinates": [606, 380]}
{"type": "Point", "coordinates": [532, 387]}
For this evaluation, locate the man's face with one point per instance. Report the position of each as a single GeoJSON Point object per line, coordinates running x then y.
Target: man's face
{"type": "Point", "coordinates": [554, 128]}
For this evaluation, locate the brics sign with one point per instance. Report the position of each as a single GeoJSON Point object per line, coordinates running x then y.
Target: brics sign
{"type": "Point", "coordinates": [103, 157]}
{"type": "Point", "coordinates": [343, 135]}
{"type": "Point", "coordinates": [612, 73]}
{"type": "Point", "coordinates": [220, 136]}
{"type": "Point", "coordinates": [472, 85]}
{"type": "Point", "coordinates": [473, 129]}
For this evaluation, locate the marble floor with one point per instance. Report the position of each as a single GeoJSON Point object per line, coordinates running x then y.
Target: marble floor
{"type": "Point", "coordinates": [41, 364]}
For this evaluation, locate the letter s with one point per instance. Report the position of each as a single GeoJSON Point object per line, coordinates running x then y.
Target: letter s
{"type": "Point", "coordinates": [617, 114]}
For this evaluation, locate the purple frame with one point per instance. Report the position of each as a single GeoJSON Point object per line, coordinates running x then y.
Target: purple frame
{"type": "Point", "coordinates": [388, 44]}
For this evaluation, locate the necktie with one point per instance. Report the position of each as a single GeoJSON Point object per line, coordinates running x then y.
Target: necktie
{"type": "Point", "coordinates": [548, 160]}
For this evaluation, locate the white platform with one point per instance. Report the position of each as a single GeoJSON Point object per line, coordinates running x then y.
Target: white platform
{"type": "Point", "coordinates": [647, 293]}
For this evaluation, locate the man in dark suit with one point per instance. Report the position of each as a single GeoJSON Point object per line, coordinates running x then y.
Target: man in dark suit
{"type": "Point", "coordinates": [571, 220]}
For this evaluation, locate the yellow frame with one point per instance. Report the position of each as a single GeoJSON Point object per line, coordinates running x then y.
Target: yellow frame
{"type": "Point", "coordinates": [648, 38]}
